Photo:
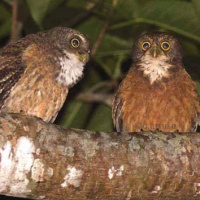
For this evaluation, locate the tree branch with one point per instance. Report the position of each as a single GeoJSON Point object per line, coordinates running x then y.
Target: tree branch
{"type": "Point", "coordinates": [96, 98]}
{"type": "Point", "coordinates": [104, 29]}
{"type": "Point", "coordinates": [16, 25]}
{"type": "Point", "coordinates": [100, 37]}
{"type": "Point", "coordinates": [43, 161]}
{"type": "Point", "coordinates": [100, 93]}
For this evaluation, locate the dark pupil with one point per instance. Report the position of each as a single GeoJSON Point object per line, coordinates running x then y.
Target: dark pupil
{"type": "Point", "coordinates": [75, 43]}
{"type": "Point", "coordinates": [165, 46]}
{"type": "Point", "coordinates": [146, 45]}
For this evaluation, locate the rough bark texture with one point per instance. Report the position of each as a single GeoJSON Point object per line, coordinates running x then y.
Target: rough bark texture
{"type": "Point", "coordinates": [43, 161]}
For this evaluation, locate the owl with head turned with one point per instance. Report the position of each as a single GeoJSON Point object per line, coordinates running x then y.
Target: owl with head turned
{"type": "Point", "coordinates": [157, 94]}
{"type": "Point", "coordinates": [37, 71]}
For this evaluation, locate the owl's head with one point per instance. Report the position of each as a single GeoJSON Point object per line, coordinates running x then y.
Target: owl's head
{"type": "Point", "coordinates": [70, 51]}
{"type": "Point", "coordinates": [158, 46]}
{"type": "Point", "coordinates": [70, 41]}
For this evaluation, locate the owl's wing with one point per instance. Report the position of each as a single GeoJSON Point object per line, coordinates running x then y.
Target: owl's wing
{"type": "Point", "coordinates": [198, 114]}
{"type": "Point", "coordinates": [117, 113]}
{"type": "Point", "coordinates": [196, 118]}
{"type": "Point", "coordinates": [11, 68]}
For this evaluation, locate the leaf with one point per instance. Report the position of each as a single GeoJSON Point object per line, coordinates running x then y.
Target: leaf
{"type": "Point", "coordinates": [177, 16]}
{"type": "Point", "coordinates": [111, 53]}
{"type": "Point", "coordinates": [77, 3]}
{"type": "Point", "coordinates": [70, 118]}
{"type": "Point", "coordinates": [198, 87]}
{"type": "Point", "coordinates": [38, 9]}
{"type": "Point", "coordinates": [54, 4]}
{"type": "Point", "coordinates": [127, 8]}
{"type": "Point", "coordinates": [5, 28]}
{"type": "Point", "coordinates": [197, 6]}
{"type": "Point", "coordinates": [8, 2]}
{"type": "Point", "coordinates": [101, 119]}
{"type": "Point", "coordinates": [112, 44]}
{"type": "Point", "coordinates": [117, 71]}
{"type": "Point", "coordinates": [91, 28]}
{"type": "Point", "coordinates": [5, 19]}
{"type": "Point", "coordinates": [75, 114]}
{"type": "Point", "coordinates": [105, 66]}
{"type": "Point", "coordinates": [176, 13]}
{"type": "Point", "coordinates": [190, 48]}
{"type": "Point", "coordinates": [4, 13]}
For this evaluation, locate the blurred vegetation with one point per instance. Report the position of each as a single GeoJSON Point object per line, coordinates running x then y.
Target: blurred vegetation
{"type": "Point", "coordinates": [111, 26]}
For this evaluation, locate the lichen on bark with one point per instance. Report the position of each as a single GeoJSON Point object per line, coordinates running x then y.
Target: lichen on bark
{"type": "Point", "coordinates": [43, 161]}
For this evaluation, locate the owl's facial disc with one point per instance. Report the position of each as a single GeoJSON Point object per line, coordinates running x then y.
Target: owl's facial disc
{"type": "Point", "coordinates": [155, 48]}
{"type": "Point", "coordinates": [155, 61]}
{"type": "Point", "coordinates": [156, 54]}
{"type": "Point", "coordinates": [81, 50]}
{"type": "Point", "coordinates": [155, 51]}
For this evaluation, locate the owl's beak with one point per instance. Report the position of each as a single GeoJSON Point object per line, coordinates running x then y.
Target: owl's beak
{"type": "Point", "coordinates": [155, 51]}
{"type": "Point", "coordinates": [84, 58]}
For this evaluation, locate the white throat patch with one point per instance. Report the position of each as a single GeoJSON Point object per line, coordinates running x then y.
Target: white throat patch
{"type": "Point", "coordinates": [155, 68]}
{"type": "Point", "coordinates": [71, 70]}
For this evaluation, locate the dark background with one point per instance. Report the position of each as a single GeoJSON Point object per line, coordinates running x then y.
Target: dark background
{"type": "Point", "coordinates": [112, 27]}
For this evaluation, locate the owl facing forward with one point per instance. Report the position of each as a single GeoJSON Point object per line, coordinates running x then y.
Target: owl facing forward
{"type": "Point", "coordinates": [157, 93]}
{"type": "Point", "coordinates": [37, 71]}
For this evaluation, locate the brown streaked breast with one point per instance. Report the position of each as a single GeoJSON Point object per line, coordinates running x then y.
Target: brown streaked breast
{"type": "Point", "coordinates": [36, 93]}
{"type": "Point", "coordinates": [169, 106]}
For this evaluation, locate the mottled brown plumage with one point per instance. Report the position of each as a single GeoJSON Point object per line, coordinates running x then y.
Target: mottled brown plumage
{"type": "Point", "coordinates": [157, 93]}
{"type": "Point", "coordinates": [37, 71]}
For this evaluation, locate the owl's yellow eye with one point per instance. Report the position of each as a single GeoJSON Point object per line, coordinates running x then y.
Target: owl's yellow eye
{"type": "Point", "coordinates": [75, 43]}
{"type": "Point", "coordinates": [165, 46]}
{"type": "Point", "coordinates": [145, 46]}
